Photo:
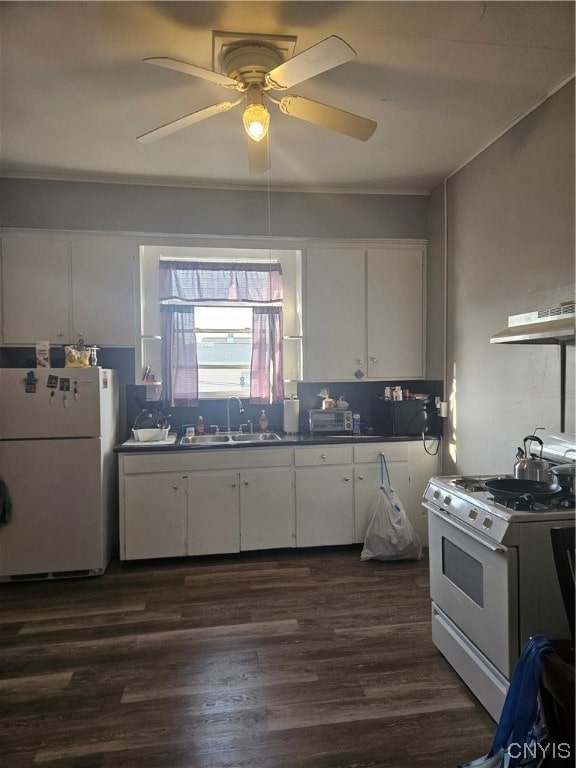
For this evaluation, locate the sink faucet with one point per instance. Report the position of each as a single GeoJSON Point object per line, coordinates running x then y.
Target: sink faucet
{"type": "Point", "coordinates": [228, 410]}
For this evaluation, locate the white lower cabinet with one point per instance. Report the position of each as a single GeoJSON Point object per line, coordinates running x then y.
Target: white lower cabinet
{"type": "Point", "coordinates": [267, 509]}
{"type": "Point", "coordinates": [324, 495]}
{"type": "Point", "coordinates": [213, 513]}
{"type": "Point", "coordinates": [201, 510]}
{"type": "Point", "coordinates": [154, 516]}
{"type": "Point", "coordinates": [368, 479]}
{"type": "Point", "coordinates": [179, 503]}
{"type": "Point", "coordinates": [423, 466]}
{"type": "Point", "coordinates": [324, 506]}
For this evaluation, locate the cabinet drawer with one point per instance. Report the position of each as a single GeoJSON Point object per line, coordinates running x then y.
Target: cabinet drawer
{"type": "Point", "coordinates": [211, 458]}
{"type": "Point", "coordinates": [370, 452]}
{"type": "Point", "coordinates": [323, 454]}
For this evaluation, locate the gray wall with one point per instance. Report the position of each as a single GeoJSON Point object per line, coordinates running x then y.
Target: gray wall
{"type": "Point", "coordinates": [43, 204]}
{"type": "Point", "coordinates": [435, 282]}
{"type": "Point", "coordinates": [510, 250]}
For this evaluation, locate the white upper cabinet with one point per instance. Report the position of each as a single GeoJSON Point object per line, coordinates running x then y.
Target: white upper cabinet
{"type": "Point", "coordinates": [335, 314]}
{"type": "Point", "coordinates": [364, 313]}
{"type": "Point", "coordinates": [35, 290]}
{"type": "Point", "coordinates": [103, 291]}
{"type": "Point", "coordinates": [395, 313]}
{"type": "Point", "coordinates": [63, 289]}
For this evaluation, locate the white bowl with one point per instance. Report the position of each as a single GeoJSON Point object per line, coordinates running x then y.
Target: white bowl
{"type": "Point", "coordinates": [150, 435]}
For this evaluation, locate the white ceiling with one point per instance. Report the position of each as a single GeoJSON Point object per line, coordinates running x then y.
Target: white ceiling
{"type": "Point", "coordinates": [442, 79]}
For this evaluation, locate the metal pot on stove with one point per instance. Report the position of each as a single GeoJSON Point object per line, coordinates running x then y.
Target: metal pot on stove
{"type": "Point", "coordinates": [529, 466]}
{"type": "Point", "coordinates": [506, 489]}
{"type": "Point", "coordinates": [565, 476]}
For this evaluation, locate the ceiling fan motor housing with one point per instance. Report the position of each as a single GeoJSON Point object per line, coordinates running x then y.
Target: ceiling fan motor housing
{"type": "Point", "coordinates": [250, 63]}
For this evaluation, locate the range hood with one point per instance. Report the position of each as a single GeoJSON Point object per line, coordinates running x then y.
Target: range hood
{"type": "Point", "coordinates": [545, 326]}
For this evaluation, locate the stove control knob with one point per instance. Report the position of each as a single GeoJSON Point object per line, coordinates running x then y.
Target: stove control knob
{"type": "Point", "coordinates": [473, 514]}
{"type": "Point", "coordinates": [487, 522]}
{"type": "Point", "coordinates": [436, 495]}
{"type": "Point", "coordinates": [447, 500]}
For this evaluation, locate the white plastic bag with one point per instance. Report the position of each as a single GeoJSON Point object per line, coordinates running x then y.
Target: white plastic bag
{"type": "Point", "coordinates": [390, 535]}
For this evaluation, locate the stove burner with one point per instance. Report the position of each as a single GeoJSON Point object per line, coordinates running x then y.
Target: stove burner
{"type": "Point", "coordinates": [473, 484]}
{"type": "Point", "coordinates": [524, 505]}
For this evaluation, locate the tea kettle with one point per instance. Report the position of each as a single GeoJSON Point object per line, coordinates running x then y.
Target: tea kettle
{"type": "Point", "coordinates": [529, 467]}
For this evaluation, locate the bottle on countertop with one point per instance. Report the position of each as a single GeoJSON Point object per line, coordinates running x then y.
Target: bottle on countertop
{"type": "Point", "coordinates": [263, 421]}
{"type": "Point", "coordinates": [200, 426]}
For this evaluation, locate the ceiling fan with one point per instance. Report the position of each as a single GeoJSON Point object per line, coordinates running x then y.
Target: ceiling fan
{"type": "Point", "coordinates": [253, 69]}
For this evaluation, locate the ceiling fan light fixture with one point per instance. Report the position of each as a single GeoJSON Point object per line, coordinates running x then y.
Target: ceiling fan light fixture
{"type": "Point", "coordinates": [256, 119]}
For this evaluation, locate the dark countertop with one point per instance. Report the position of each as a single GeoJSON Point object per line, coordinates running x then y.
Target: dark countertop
{"type": "Point", "coordinates": [173, 443]}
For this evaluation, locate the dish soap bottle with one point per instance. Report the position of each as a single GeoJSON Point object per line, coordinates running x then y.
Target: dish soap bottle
{"type": "Point", "coordinates": [263, 421]}
{"type": "Point", "coordinates": [200, 426]}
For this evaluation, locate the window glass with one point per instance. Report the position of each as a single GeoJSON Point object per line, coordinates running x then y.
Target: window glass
{"type": "Point", "coordinates": [224, 339]}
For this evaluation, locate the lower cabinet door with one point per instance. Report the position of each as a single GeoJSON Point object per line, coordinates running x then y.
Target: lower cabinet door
{"type": "Point", "coordinates": [324, 506]}
{"type": "Point", "coordinates": [367, 481]}
{"type": "Point", "coordinates": [213, 513]}
{"type": "Point", "coordinates": [154, 516]}
{"type": "Point", "coordinates": [267, 515]}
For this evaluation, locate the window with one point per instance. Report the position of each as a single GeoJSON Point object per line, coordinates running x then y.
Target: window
{"type": "Point", "coordinates": [224, 348]}
{"type": "Point", "coordinates": [221, 330]}
{"type": "Point", "coordinates": [149, 353]}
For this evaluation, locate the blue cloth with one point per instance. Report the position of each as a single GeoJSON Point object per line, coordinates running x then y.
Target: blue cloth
{"type": "Point", "coordinates": [519, 721]}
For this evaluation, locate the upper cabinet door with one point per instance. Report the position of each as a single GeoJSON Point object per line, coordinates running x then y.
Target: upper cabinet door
{"type": "Point", "coordinates": [103, 286]}
{"type": "Point", "coordinates": [62, 289]}
{"type": "Point", "coordinates": [395, 312]}
{"type": "Point", "coordinates": [35, 290]}
{"type": "Point", "coordinates": [334, 339]}
{"type": "Point", "coordinates": [365, 312]}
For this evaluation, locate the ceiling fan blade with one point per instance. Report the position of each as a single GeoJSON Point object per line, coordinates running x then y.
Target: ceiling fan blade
{"type": "Point", "coordinates": [259, 155]}
{"type": "Point", "coordinates": [324, 55]}
{"type": "Point", "coordinates": [192, 69]}
{"type": "Point", "coordinates": [184, 122]}
{"type": "Point", "coordinates": [328, 117]}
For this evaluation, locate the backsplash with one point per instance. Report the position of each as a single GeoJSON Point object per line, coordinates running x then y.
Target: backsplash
{"type": "Point", "coordinates": [360, 396]}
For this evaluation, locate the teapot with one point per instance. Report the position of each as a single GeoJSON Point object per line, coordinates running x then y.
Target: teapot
{"type": "Point", "coordinates": [529, 467]}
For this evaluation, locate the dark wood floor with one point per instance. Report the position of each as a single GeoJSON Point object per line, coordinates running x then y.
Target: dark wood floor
{"type": "Point", "coordinates": [300, 659]}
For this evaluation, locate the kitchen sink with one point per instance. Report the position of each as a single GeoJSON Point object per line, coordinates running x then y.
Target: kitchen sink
{"type": "Point", "coordinates": [231, 439]}
{"type": "Point", "coordinates": [195, 439]}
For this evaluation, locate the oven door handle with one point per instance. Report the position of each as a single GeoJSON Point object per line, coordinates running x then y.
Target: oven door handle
{"type": "Point", "coordinates": [445, 516]}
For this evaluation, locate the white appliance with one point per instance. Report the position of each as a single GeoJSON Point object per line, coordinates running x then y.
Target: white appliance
{"type": "Point", "coordinates": [493, 581]}
{"type": "Point", "coordinates": [58, 428]}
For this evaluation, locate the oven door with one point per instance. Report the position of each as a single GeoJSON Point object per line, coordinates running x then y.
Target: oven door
{"type": "Point", "coordinates": [474, 581]}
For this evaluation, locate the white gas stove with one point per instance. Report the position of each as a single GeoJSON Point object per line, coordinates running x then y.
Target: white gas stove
{"type": "Point", "coordinates": [468, 502]}
{"type": "Point", "coordinates": [493, 580]}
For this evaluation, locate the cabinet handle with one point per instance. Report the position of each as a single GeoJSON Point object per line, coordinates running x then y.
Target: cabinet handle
{"type": "Point", "coordinates": [175, 487]}
{"type": "Point", "coordinates": [232, 485]}
{"type": "Point", "coordinates": [360, 477]}
{"type": "Point", "coordinates": [373, 359]}
{"type": "Point", "coordinates": [246, 482]}
{"type": "Point", "coordinates": [346, 479]}
{"type": "Point", "coordinates": [358, 361]}
{"type": "Point", "coordinates": [323, 456]}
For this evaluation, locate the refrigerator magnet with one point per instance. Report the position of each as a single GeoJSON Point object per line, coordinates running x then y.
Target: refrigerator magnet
{"type": "Point", "coordinates": [30, 383]}
{"type": "Point", "coordinates": [64, 384]}
{"type": "Point", "coordinates": [52, 382]}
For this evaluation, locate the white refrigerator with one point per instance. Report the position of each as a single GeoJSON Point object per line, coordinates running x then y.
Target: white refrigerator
{"type": "Point", "coordinates": [58, 428]}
